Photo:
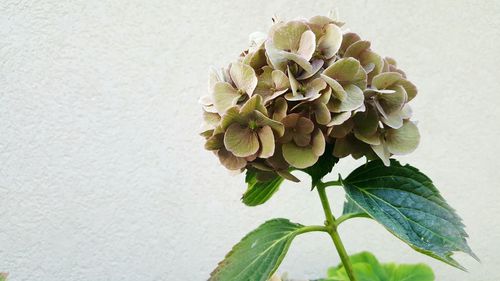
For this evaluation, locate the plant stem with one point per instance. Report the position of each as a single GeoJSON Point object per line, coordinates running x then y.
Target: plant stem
{"type": "Point", "coordinates": [332, 230]}
{"type": "Point", "coordinates": [331, 183]}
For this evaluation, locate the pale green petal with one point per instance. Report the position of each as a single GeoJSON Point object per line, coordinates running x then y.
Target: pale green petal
{"type": "Point", "coordinates": [274, 95]}
{"type": "Point", "coordinates": [338, 90]}
{"type": "Point", "coordinates": [348, 39]}
{"type": "Point", "coordinates": [339, 118]}
{"type": "Point", "coordinates": [251, 105]}
{"type": "Point", "coordinates": [410, 88]}
{"type": "Point", "coordinates": [215, 142]}
{"type": "Point", "coordinates": [354, 99]}
{"type": "Point", "coordinates": [299, 157]}
{"type": "Point", "coordinates": [406, 112]}
{"type": "Point", "coordinates": [256, 59]}
{"type": "Point", "coordinates": [225, 96]}
{"type": "Point", "coordinates": [403, 140]}
{"type": "Point", "coordinates": [360, 79]}
{"type": "Point", "coordinates": [304, 126]}
{"type": "Point", "coordinates": [307, 45]}
{"type": "Point", "coordinates": [287, 37]}
{"type": "Point", "coordinates": [393, 102]}
{"type": "Point", "coordinates": [266, 138]}
{"type": "Point", "coordinates": [275, 56]}
{"type": "Point", "coordinates": [210, 120]}
{"type": "Point", "coordinates": [322, 113]}
{"type": "Point", "coordinates": [263, 120]}
{"type": "Point", "coordinates": [330, 42]}
{"type": "Point", "coordinates": [231, 116]}
{"type": "Point", "coordinates": [231, 162]}
{"type": "Point", "coordinates": [241, 141]}
{"type": "Point", "coordinates": [368, 57]}
{"type": "Point", "coordinates": [294, 84]}
{"type": "Point", "coordinates": [373, 139]}
{"type": "Point", "coordinates": [280, 81]}
{"type": "Point", "coordinates": [314, 87]}
{"type": "Point", "coordinates": [367, 122]}
{"type": "Point", "coordinates": [318, 142]}
{"type": "Point", "coordinates": [340, 131]}
{"type": "Point", "coordinates": [382, 152]}
{"type": "Point", "coordinates": [315, 65]}
{"type": "Point", "coordinates": [356, 49]}
{"type": "Point", "coordinates": [386, 79]}
{"type": "Point", "coordinates": [302, 62]}
{"type": "Point", "coordinates": [342, 148]}
{"type": "Point", "coordinates": [287, 175]}
{"type": "Point", "coordinates": [243, 77]}
{"type": "Point", "coordinates": [393, 120]}
{"type": "Point", "coordinates": [343, 70]}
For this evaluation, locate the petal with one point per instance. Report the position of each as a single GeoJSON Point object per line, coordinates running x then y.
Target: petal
{"type": "Point", "coordinates": [382, 152]}
{"type": "Point", "coordinates": [251, 105]}
{"type": "Point", "coordinates": [373, 139]}
{"type": "Point", "coordinates": [215, 142]}
{"type": "Point", "coordinates": [231, 116]}
{"type": "Point", "coordinates": [294, 84]}
{"type": "Point", "coordinates": [230, 161]}
{"type": "Point", "coordinates": [256, 59]}
{"type": "Point", "coordinates": [354, 99]}
{"type": "Point", "coordinates": [291, 120]}
{"type": "Point", "coordinates": [280, 81]}
{"type": "Point", "coordinates": [410, 88]}
{"type": "Point", "coordinates": [386, 79]}
{"type": "Point", "coordinates": [342, 130]}
{"type": "Point", "coordinates": [393, 102]}
{"type": "Point", "coordinates": [302, 62]}
{"type": "Point", "coordinates": [302, 139]}
{"type": "Point", "coordinates": [369, 57]}
{"type": "Point", "coordinates": [343, 70]}
{"type": "Point", "coordinates": [277, 161]}
{"type": "Point", "coordinates": [403, 140]}
{"type": "Point", "coordinates": [393, 120]}
{"type": "Point", "coordinates": [406, 112]}
{"type": "Point", "coordinates": [274, 95]}
{"type": "Point", "coordinates": [275, 56]}
{"type": "Point", "coordinates": [280, 108]}
{"type": "Point", "coordinates": [225, 96]}
{"type": "Point", "coordinates": [263, 120]}
{"type": "Point", "coordinates": [342, 148]}
{"type": "Point", "coordinates": [241, 141]}
{"type": "Point", "coordinates": [329, 44]}
{"type": "Point", "coordinates": [287, 175]}
{"type": "Point", "coordinates": [315, 65]}
{"type": "Point", "coordinates": [366, 123]}
{"type": "Point", "coordinates": [211, 120]}
{"type": "Point", "coordinates": [243, 77]}
{"type": "Point", "coordinates": [304, 126]}
{"type": "Point", "coordinates": [307, 45]}
{"type": "Point", "coordinates": [357, 48]}
{"type": "Point", "coordinates": [348, 39]}
{"type": "Point", "coordinates": [287, 37]}
{"type": "Point", "coordinates": [322, 113]}
{"type": "Point", "coordinates": [338, 90]}
{"type": "Point", "coordinates": [314, 87]}
{"type": "Point", "coordinates": [266, 138]}
{"type": "Point", "coordinates": [318, 142]}
{"type": "Point", "coordinates": [299, 157]}
{"type": "Point", "coordinates": [339, 118]}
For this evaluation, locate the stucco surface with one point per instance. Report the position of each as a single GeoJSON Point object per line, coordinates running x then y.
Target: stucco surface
{"type": "Point", "coordinates": [103, 175]}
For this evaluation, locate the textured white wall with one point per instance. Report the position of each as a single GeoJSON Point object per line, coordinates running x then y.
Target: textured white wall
{"type": "Point", "coordinates": [103, 175]}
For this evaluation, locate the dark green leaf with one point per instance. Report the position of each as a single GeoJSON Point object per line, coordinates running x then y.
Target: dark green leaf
{"type": "Point", "coordinates": [406, 203]}
{"type": "Point", "coordinates": [367, 268]}
{"type": "Point", "coordinates": [350, 207]}
{"type": "Point", "coordinates": [258, 254]}
{"type": "Point", "coordinates": [258, 192]}
{"type": "Point", "coordinates": [323, 166]}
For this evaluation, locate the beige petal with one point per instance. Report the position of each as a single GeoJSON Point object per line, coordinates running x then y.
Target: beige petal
{"type": "Point", "coordinates": [348, 39]}
{"type": "Point", "coordinates": [386, 79]}
{"type": "Point", "coordinates": [302, 62]}
{"type": "Point", "coordinates": [314, 87]}
{"type": "Point", "coordinates": [241, 141]}
{"type": "Point", "coordinates": [266, 138]}
{"type": "Point", "coordinates": [277, 161]}
{"type": "Point", "coordinates": [225, 96]}
{"type": "Point", "coordinates": [280, 108]}
{"type": "Point", "coordinates": [410, 88]}
{"type": "Point", "coordinates": [342, 130]}
{"type": "Point", "coordinates": [373, 139]}
{"type": "Point", "coordinates": [393, 120]}
{"type": "Point", "coordinates": [369, 57]}
{"type": "Point", "coordinates": [287, 37]}
{"type": "Point", "coordinates": [256, 59]}
{"type": "Point", "coordinates": [403, 140]}
{"type": "Point", "coordinates": [406, 112]}
{"type": "Point", "coordinates": [315, 66]}
{"type": "Point", "coordinates": [393, 102]}
{"type": "Point", "coordinates": [215, 142]}
{"type": "Point", "coordinates": [230, 161]}
{"type": "Point", "coordinates": [287, 175]}
{"type": "Point", "coordinates": [294, 84]}
{"type": "Point", "coordinates": [291, 120]}
{"type": "Point", "coordinates": [318, 142]}
{"type": "Point", "coordinates": [231, 116]}
{"type": "Point", "coordinates": [338, 90]}
{"type": "Point", "coordinates": [274, 95]}
{"type": "Point", "coordinates": [275, 56]}
{"type": "Point", "coordinates": [243, 77]}
{"type": "Point", "coordinates": [251, 105]}
{"type": "Point", "coordinates": [329, 44]}
{"type": "Point", "coordinates": [307, 45]}
{"type": "Point", "coordinates": [367, 122]}
{"type": "Point", "coordinates": [299, 157]}
{"type": "Point", "coordinates": [342, 148]}
{"type": "Point", "coordinates": [280, 81]}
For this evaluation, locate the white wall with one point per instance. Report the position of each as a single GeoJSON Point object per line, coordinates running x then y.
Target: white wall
{"type": "Point", "coordinates": [103, 175]}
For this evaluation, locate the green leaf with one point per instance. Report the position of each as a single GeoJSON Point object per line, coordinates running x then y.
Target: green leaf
{"type": "Point", "coordinates": [407, 204]}
{"type": "Point", "coordinates": [257, 256]}
{"type": "Point", "coordinates": [259, 192]}
{"type": "Point", "coordinates": [350, 207]}
{"type": "Point", "coordinates": [323, 166]}
{"type": "Point", "coordinates": [367, 268]}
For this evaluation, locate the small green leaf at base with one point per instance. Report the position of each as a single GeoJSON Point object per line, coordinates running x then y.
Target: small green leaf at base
{"type": "Point", "coordinates": [407, 204]}
{"type": "Point", "coordinates": [257, 256]}
{"type": "Point", "coordinates": [367, 268]}
{"type": "Point", "coordinates": [259, 192]}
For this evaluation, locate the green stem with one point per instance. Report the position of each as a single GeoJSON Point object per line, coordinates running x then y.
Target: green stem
{"type": "Point", "coordinates": [331, 183]}
{"type": "Point", "coordinates": [332, 230]}
{"type": "Point", "coordinates": [345, 217]}
{"type": "Point", "coordinates": [311, 228]}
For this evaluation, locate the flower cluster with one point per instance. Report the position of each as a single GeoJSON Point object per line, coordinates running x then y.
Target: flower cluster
{"type": "Point", "coordinates": [303, 86]}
